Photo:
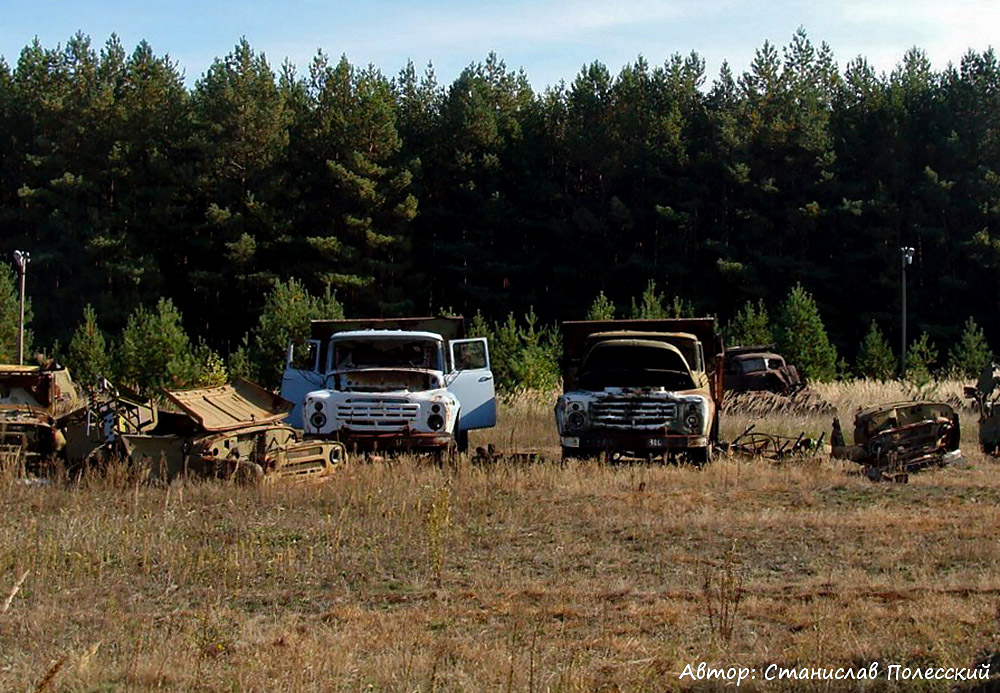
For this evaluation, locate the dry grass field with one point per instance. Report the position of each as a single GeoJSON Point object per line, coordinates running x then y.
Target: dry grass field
{"type": "Point", "coordinates": [401, 575]}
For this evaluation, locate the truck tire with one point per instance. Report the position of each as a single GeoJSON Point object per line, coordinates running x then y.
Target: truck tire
{"type": "Point", "coordinates": [462, 441]}
{"type": "Point", "coordinates": [699, 457]}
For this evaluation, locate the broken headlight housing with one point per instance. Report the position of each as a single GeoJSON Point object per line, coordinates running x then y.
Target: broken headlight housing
{"type": "Point", "coordinates": [574, 415]}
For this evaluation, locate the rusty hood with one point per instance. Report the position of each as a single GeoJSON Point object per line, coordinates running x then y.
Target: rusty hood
{"type": "Point", "coordinates": [228, 407]}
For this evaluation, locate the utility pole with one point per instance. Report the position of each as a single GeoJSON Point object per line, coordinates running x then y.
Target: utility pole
{"type": "Point", "coordinates": [21, 259]}
{"type": "Point", "coordinates": [906, 258]}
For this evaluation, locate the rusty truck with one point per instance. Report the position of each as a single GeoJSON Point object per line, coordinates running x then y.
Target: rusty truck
{"type": "Point", "coordinates": [640, 388]}
{"type": "Point", "coordinates": [391, 384]}
{"type": "Point", "coordinates": [39, 406]}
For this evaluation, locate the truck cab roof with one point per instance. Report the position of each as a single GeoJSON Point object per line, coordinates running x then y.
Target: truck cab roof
{"type": "Point", "coordinates": [386, 334]}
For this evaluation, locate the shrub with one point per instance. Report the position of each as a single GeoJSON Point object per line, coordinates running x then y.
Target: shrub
{"type": "Point", "coordinates": [521, 355]}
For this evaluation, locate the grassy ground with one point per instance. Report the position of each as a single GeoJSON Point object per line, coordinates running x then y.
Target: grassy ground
{"type": "Point", "coordinates": [402, 575]}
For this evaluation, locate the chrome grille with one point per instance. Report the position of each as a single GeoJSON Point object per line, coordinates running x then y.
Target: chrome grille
{"type": "Point", "coordinates": [632, 413]}
{"type": "Point", "coordinates": [372, 411]}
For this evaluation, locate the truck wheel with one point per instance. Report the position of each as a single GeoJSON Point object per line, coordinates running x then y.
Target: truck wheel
{"type": "Point", "coordinates": [700, 456]}
{"type": "Point", "coordinates": [462, 441]}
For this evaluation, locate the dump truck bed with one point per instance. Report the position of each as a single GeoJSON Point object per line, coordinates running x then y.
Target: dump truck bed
{"type": "Point", "coordinates": [448, 327]}
{"type": "Point", "coordinates": [229, 407]}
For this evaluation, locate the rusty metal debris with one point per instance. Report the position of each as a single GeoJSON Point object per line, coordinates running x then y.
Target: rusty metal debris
{"type": "Point", "coordinates": [38, 406]}
{"type": "Point", "coordinates": [490, 455]}
{"type": "Point", "coordinates": [892, 440]}
{"type": "Point", "coordinates": [986, 394]}
{"type": "Point", "coordinates": [231, 432]}
{"type": "Point", "coordinates": [771, 446]}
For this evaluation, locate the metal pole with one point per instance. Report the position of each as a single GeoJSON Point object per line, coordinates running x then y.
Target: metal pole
{"type": "Point", "coordinates": [20, 324]}
{"type": "Point", "coordinates": [902, 351]}
{"type": "Point", "coordinates": [22, 259]}
{"type": "Point", "coordinates": [905, 258]}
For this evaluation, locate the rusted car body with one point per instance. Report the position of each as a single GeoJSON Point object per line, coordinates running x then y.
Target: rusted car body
{"type": "Point", "coordinates": [901, 437]}
{"type": "Point", "coordinates": [37, 405]}
{"type": "Point", "coordinates": [230, 431]}
{"type": "Point", "coordinates": [640, 387]}
{"type": "Point", "coordinates": [758, 368]}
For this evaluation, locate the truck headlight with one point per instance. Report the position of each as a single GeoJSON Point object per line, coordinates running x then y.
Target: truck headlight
{"type": "Point", "coordinates": [435, 422]}
{"type": "Point", "coordinates": [318, 420]}
{"type": "Point", "coordinates": [693, 419]}
{"type": "Point", "coordinates": [576, 420]}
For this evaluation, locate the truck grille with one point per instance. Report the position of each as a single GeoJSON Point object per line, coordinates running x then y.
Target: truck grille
{"type": "Point", "coordinates": [372, 411]}
{"type": "Point", "coordinates": [630, 413]}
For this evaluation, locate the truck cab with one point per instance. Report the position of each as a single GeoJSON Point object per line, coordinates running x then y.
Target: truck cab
{"type": "Point", "coordinates": [411, 383]}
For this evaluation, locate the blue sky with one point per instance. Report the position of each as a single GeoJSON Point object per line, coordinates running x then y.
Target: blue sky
{"type": "Point", "coordinates": [550, 39]}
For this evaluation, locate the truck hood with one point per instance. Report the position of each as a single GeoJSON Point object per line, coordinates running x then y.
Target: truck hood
{"type": "Point", "coordinates": [639, 393]}
{"type": "Point", "coordinates": [388, 380]}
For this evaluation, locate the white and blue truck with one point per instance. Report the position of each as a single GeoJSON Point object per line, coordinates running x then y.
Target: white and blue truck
{"type": "Point", "coordinates": [391, 384]}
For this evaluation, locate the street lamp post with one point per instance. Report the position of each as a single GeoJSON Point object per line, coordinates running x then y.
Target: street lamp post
{"type": "Point", "coordinates": [905, 258]}
{"type": "Point", "coordinates": [21, 259]}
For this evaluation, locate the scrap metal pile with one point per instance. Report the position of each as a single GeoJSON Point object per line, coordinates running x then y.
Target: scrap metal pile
{"type": "Point", "coordinates": [753, 443]}
{"type": "Point", "coordinates": [986, 394]}
{"type": "Point", "coordinates": [894, 439]}
{"type": "Point", "coordinates": [231, 431]}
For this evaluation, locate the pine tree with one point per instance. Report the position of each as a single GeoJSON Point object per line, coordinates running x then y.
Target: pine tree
{"type": "Point", "coordinates": [970, 354]}
{"type": "Point", "coordinates": [288, 309]}
{"type": "Point", "coordinates": [652, 306]}
{"type": "Point", "coordinates": [88, 357]}
{"type": "Point", "coordinates": [875, 357]}
{"type": "Point", "coordinates": [154, 351]}
{"type": "Point", "coordinates": [601, 308]}
{"type": "Point", "coordinates": [802, 339]}
{"type": "Point", "coordinates": [751, 326]}
{"type": "Point", "coordinates": [920, 360]}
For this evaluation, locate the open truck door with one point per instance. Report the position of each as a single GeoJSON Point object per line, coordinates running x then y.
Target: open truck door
{"type": "Point", "coordinates": [303, 374]}
{"type": "Point", "coordinates": [471, 381]}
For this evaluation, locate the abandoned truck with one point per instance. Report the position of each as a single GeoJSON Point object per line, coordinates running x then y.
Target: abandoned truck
{"type": "Point", "coordinates": [391, 384]}
{"type": "Point", "coordinates": [37, 406]}
{"type": "Point", "coordinates": [640, 387]}
{"type": "Point", "coordinates": [758, 368]}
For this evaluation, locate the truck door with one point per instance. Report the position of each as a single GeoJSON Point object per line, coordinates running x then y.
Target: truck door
{"type": "Point", "coordinates": [471, 380]}
{"type": "Point", "coordinates": [302, 375]}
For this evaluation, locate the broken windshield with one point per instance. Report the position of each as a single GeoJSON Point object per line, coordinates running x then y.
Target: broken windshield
{"type": "Point", "coordinates": [635, 365]}
{"type": "Point", "coordinates": [388, 353]}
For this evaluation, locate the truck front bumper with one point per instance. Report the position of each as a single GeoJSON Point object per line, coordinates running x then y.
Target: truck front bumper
{"type": "Point", "coordinates": [395, 440]}
{"type": "Point", "coordinates": [606, 440]}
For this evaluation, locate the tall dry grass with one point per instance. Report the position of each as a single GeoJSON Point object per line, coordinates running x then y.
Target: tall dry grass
{"type": "Point", "coordinates": [405, 575]}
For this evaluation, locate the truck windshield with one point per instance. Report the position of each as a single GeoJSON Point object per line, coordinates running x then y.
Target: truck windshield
{"type": "Point", "coordinates": [635, 366]}
{"type": "Point", "coordinates": [387, 353]}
